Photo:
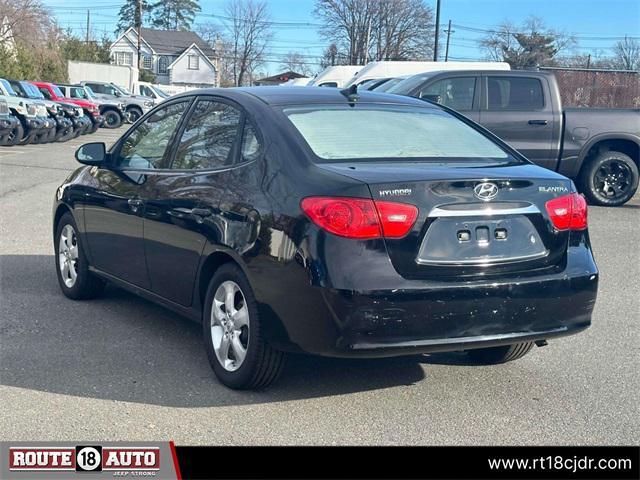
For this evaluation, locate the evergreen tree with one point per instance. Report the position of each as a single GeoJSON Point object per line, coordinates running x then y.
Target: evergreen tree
{"type": "Point", "coordinates": [128, 14]}
{"type": "Point", "coordinates": [174, 14]}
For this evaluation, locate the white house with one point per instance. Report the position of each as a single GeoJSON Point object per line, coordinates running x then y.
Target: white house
{"type": "Point", "coordinates": [175, 57]}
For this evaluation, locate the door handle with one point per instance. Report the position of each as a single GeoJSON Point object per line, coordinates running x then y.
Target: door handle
{"type": "Point", "coordinates": [135, 204]}
{"type": "Point", "coordinates": [537, 122]}
{"type": "Point", "coordinates": [183, 212]}
{"type": "Point", "coordinates": [201, 212]}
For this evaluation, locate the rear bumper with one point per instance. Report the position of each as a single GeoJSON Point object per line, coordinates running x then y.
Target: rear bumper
{"type": "Point", "coordinates": [459, 318]}
{"type": "Point", "coordinates": [437, 316]}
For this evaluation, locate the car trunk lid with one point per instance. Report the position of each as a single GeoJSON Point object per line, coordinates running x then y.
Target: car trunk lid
{"type": "Point", "coordinates": [475, 218]}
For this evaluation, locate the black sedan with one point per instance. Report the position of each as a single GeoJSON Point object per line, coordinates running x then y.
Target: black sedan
{"type": "Point", "coordinates": [329, 222]}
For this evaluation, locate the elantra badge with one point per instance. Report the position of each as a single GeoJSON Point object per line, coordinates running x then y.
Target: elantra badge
{"type": "Point", "coordinates": [485, 191]}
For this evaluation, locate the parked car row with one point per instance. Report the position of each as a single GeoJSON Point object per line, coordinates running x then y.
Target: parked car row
{"type": "Point", "coordinates": [43, 112]}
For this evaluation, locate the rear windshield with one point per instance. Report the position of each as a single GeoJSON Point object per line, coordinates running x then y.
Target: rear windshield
{"type": "Point", "coordinates": [388, 132]}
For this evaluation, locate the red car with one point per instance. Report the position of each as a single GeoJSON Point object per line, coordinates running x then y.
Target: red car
{"type": "Point", "coordinates": [53, 93]}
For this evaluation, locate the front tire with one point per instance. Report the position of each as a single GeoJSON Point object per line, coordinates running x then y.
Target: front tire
{"type": "Point", "coordinates": [503, 354]}
{"type": "Point", "coordinates": [238, 353]}
{"type": "Point", "coordinates": [72, 268]}
{"type": "Point", "coordinates": [609, 179]}
{"type": "Point", "coordinates": [14, 137]}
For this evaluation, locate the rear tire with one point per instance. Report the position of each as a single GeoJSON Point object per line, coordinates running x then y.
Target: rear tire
{"type": "Point", "coordinates": [503, 354]}
{"type": "Point", "coordinates": [112, 119]}
{"type": "Point", "coordinates": [609, 179]}
{"type": "Point", "coordinates": [233, 318]}
{"type": "Point", "coordinates": [134, 114]}
{"type": "Point", "coordinates": [74, 277]}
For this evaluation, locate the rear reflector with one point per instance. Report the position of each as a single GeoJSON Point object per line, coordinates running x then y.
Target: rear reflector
{"type": "Point", "coordinates": [360, 218]}
{"type": "Point", "coordinates": [568, 212]}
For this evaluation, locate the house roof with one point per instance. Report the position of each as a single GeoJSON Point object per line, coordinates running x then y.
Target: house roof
{"type": "Point", "coordinates": [281, 77]}
{"type": "Point", "coordinates": [191, 48]}
{"type": "Point", "coordinates": [174, 42]}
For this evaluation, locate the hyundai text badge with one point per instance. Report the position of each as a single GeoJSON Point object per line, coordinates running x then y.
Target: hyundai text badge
{"type": "Point", "coordinates": [485, 191]}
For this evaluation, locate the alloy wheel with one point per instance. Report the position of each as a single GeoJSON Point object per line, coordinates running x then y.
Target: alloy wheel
{"type": "Point", "coordinates": [230, 325]}
{"type": "Point", "coordinates": [68, 256]}
{"type": "Point", "coordinates": [613, 179]}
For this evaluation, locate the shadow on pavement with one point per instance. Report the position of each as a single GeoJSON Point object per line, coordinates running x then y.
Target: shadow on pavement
{"type": "Point", "coordinates": [121, 347]}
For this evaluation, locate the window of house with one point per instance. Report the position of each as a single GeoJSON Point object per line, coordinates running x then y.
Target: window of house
{"type": "Point", "coordinates": [208, 139]}
{"type": "Point", "coordinates": [514, 93]}
{"type": "Point", "coordinates": [163, 64]}
{"type": "Point", "coordinates": [124, 58]}
{"type": "Point", "coordinates": [456, 92]}
{"type": "Point", "coordinates": [146, 62]}
{"type": "Point", "coordinates": [194, 62]}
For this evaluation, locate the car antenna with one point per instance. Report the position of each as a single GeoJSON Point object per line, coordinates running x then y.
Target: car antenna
{"type": "Point", "coordinates": [351, 94]}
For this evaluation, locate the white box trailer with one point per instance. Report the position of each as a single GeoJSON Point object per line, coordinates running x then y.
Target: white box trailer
{"type": "Point", "coordinates": [389, 69]}
{"type": "Point", "coordinates": [335, 76]}
{"type": "Point", "coordinates": [122, 75]}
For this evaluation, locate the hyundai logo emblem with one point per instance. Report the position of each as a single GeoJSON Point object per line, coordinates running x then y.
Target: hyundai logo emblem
{"type": "Point", "coordinates": [485, 191]}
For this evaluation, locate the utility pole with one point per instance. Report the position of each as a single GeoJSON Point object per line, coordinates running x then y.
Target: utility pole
{"type": "Point", "coordinates": [139, 28]}
{"type": "Point", "coordinates": [435, 43]}
{"type": "Point", "coordinates": [449, 32]}
{"type": "Point", "coordinates": [88, 25]}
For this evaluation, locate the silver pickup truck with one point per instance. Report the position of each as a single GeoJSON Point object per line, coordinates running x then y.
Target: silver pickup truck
{"type": "Point", "coordinates": [135, 105]}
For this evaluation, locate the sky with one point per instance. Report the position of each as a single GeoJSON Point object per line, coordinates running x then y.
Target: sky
{"type": "Point", "coordinates": [596, 24]}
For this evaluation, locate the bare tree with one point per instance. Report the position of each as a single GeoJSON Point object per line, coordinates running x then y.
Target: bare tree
{"type": "Point", "coordinates": [249, 36]}
{"type": "Point", "coordinates": [376, 29]}
{"type": "Point", "coordinates": [404, 30]}
{"type": "Point", "coordinates": [30, 21]}
{"type": "Point", "coordinates": [627, 54]}
{"type": "Point", "coordinates": [295, 62]}
{"type": "Point", "coordinates": [214, 35]}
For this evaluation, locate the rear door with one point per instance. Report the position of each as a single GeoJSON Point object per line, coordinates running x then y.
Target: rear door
{"type": "Point", "coordinates": [193, 202]}
{"type": "Point", "coordinates": [515, 109]}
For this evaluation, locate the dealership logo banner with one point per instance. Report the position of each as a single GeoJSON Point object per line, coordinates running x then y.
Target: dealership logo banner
{"type": "Point", "coordinates": [45, 460]}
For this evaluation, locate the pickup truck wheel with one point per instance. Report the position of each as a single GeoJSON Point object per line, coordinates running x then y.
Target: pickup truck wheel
{"type": "Point", "coordinates": [232, 329]}
{"type": "Point", "coordinates": [134, 114]}
{"type": "Point", "coordinates": [506, 353]}
{"type": "Point", "coordinates": [609, 179]}
{"type": "Point", "coordinates": [112, 119]}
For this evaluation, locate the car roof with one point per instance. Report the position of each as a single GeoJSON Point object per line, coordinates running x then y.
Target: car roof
{"type": "Point", "coordinates": [278, 95]}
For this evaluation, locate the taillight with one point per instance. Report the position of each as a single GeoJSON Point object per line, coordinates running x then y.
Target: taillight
{"type": "Point", "coordinates": [360, 217]}
{"type": "Point", "coordinates": [568, 212]}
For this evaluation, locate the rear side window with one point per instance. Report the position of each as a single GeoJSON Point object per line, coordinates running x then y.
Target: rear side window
{"type": "Point", "coordinates": [209, 137]}
{"type": "Point", "coordinates": [96, 87]}
{"type": "Point", "coordinates": [389, 132]}
{"type": "Point", "coordinates": [456, 93]}
{"type": "Point", "coordinates": [77, 92]}
{"type": "Point", "coordinates": [514, 93]}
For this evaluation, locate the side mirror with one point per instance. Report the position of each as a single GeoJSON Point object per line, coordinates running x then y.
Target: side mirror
{"type": "Point", "coordinates": [432, 98]}
{"type": "Point", "coordinates": [117, 92]}
{"type": "Point", "coordinates": [92, 153]}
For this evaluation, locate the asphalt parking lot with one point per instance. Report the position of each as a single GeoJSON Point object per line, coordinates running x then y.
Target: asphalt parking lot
{"type": "Point", "coordinates": [122, 368]}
